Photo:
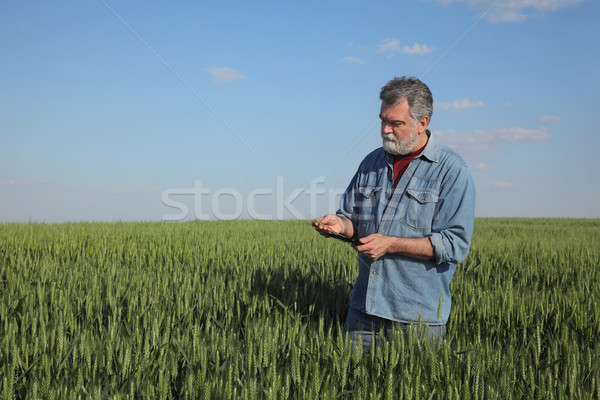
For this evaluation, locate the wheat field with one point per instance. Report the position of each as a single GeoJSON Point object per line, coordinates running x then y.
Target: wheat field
{"type": "Point", "coordinates": [254, 310]}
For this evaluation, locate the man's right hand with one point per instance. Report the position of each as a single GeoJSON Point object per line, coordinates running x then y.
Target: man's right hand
{"type": "Point", "coordinates": [330, 224]}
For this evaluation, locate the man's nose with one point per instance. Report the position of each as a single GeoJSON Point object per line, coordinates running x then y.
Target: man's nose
{"type": "Point", "coordinates": [386, 128]}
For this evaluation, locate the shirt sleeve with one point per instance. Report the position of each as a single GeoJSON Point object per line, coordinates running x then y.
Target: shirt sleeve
{"type": "Point", "coordinates": [347, 200]}
{"type": "Point", "coordinates": [452, 226]}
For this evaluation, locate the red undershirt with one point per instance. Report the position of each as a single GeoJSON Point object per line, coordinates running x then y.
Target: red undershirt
{"type": "Point", "coordinates": [401, 164]}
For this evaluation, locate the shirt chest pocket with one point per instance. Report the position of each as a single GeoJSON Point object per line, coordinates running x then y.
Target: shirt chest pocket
{"type": "Point", "coordinates": [420, 208]}
{"type": "Point", "coordinates": [365, 203]}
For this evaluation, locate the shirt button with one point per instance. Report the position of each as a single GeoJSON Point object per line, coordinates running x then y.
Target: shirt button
{"type": "Point", "coordinates": [381, 230]}
{"type": "Point", "coordinates": [374, 272]}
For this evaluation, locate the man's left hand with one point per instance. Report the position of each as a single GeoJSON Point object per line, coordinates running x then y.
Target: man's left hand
{"type": "Point", "coordinates": [373, 246]}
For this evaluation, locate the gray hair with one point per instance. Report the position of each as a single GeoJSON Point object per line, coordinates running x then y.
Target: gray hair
{"type": "Point", "coordinates": [415, 92]}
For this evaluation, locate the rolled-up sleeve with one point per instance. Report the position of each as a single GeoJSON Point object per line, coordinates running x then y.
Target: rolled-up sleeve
{"type": "Point", "coordinates": [452, 226]}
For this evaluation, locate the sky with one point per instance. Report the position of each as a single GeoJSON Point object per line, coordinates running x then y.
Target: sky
{"type": "Point", "coordinates": [172, 111]}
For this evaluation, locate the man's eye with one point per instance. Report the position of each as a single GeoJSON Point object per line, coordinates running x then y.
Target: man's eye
{"type": "Point", "coordinates": [393, 124]}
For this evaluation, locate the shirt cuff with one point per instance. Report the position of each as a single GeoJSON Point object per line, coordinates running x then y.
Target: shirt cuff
{"type": "Point", "coordinates": [343, 213]}
{"type": "Point", "coordinates": [439, 249]}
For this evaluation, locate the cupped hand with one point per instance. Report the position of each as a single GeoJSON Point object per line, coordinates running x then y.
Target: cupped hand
{"type": "Point", "coordinates": [373, 246]}
{"type": "Point", "coordinates": [328, 224]}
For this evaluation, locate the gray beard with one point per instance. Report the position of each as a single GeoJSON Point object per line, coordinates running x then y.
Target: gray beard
{"type": "Point", "coordinates": [397, 147]}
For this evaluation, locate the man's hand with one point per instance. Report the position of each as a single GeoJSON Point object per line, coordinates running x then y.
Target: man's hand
{"type": "Point", "coordinates": [332, 224]}
{"type": "Point", "coordinates": [373, 246]}
{"type": "Point", "coordinates": [376, 246]}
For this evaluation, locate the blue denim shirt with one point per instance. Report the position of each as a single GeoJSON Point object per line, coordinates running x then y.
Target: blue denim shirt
{"type": "Point", "coordinates": [435, 198]}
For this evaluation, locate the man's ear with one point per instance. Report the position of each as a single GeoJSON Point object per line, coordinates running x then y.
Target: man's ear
{"type": "Point", "coordinates": [422, 125]}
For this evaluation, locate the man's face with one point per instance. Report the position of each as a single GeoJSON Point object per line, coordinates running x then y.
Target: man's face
{"type": "Point", "coordinates": [399, 135]}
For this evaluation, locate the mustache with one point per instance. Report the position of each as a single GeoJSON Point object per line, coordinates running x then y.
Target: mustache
{"type": "Point", "coordinates": [389, 136]}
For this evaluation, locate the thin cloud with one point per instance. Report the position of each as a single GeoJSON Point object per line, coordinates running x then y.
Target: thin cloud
{"type": "Point", "coordinates": [458, 105]}
{"type": "Point", "coordinates": [132, 190]}
{"type": "Point", "coordinates": [549, 118]}
{"type": "Point", "coordinates": [352, 60]}
{"type": "Point", "coordinates": [224, 74]}
{"type": "Point", "coordinates": [519, 134]}
{"type": "Point", "coordinates": [479, 141]}
{"type": "Point", "coordinates": [479, 167]}
{"type": "Point", "coordinates": [504, 185]}
{"type": "Point", "coordinates": [514, 10]}
{"type": "Point", "coordinates": [420, 49]}
{"type": "Point", "coordinates": [357, 45]}
{"type": "Point", "coordinates": [521, 10]}
{"type": "Point", "coordinates": [13, 182]}
{"type": "Point", "coordinates": [519, 178]}
{"type": "Point", "coordinates": [391, 46]}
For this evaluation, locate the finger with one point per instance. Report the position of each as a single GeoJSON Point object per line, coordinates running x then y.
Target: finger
{"type": "Point", "coordinates": [318, 223]}
{"type": "Point", "coordinates": [360, 248]}
{"type": "Point", "coordinates": [367, 239]}
{"type": "Point", "coordinates": [362, 241]}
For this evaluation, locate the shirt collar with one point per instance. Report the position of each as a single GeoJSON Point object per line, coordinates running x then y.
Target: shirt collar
{"type": "Point", "coordinates": [431, 148]}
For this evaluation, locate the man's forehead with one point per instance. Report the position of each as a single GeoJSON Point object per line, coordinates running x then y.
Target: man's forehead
{"type": "Point", "coordinates": [396, 109]}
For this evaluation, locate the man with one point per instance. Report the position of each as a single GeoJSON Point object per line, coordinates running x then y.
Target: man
{"type": "Point", "coordinates": [409, 210]}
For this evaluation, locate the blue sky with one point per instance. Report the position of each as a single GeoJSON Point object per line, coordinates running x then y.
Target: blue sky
{"type": "Point", "coordinates": [154, 111]}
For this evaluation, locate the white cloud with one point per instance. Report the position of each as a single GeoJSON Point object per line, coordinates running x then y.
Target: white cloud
{"type": "Point", "coordinates": [420, 49]}
{"type": "Point", "coordinates": [224, 74]}
{"type": "Point", "coordinates": [513, 10]}
{"type": "Point", "coordinates": [458, 105]}
{"type": "Point", "coordinates": [504, 185]}
{"type": "Point", "coordinates": [352, 60]}
{"type": "Point", "coordinates": [520, 10]}
{"type": "Point", "coordinates": [549, 118]}
{"type": "Point", "coordinates": [391, 46]}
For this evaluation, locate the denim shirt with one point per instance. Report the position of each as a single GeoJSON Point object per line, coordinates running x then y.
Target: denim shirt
{"type": "Point", "coordinates": [435, 198]}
